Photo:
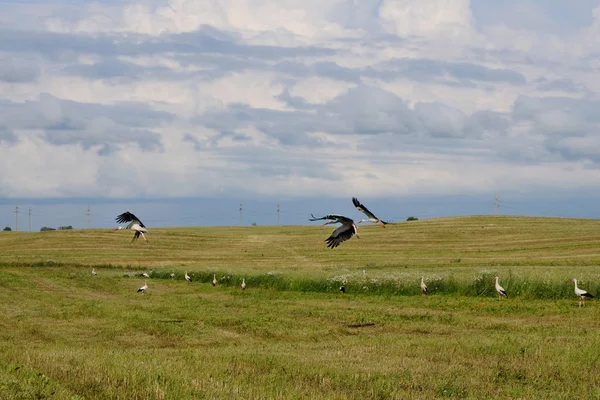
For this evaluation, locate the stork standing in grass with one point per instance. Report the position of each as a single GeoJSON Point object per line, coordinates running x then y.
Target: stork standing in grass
{"type": "Point", "coordinates": [214, 281]}
{"type": "Point", "coordinates": [372, 218]}
{"type": "Point", "coordinates": [582, 294]}
{"type": "Point", "coordinates": [341, 234]}
{"type": "Point", "coordinates": [94, 271]}
{"type": "Point", "coordinates": [134, 224]}
{"type": "Point", "coordinates": [172, 276]}
{"type": "Point", "coordinates": [143, 288]}
{"type": "Point", "coordinates": [500, 290]}
{"type": "Point", "coordinates": [243, 284]}
{"type": "Point", "coordinates": [187, 277]}
{"type": "Point", "coordinates": [423, 287]}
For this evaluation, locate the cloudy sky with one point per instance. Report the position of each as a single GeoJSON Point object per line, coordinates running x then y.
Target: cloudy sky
{"type": "Point", "coordinates": [422, 107]}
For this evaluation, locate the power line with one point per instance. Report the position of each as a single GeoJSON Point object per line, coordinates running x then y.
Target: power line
{"type": "Point", "coordinates": [88, 213]}
{"type": "Point", "coordinates": [496, 204]}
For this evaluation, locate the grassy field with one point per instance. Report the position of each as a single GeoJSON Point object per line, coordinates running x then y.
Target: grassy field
{"type": "Point", "coordinates": [67, 334]}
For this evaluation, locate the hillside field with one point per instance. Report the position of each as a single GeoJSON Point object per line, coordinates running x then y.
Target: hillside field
{"type": "Point", "coordinates": [66, 334]}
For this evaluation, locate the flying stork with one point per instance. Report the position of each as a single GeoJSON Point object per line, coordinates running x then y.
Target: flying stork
{"type": "Point", "coordinates": [187, 277]}
{"type": "Point", "coordinates": [500, 290]}
{"type": "Point", "coordinates": [134, 224]}
{"type": "Point", "coordinates": [423, 287]}
{"type": "Point", "coordinates": [372, 218]}
{"type": "Point", "coordinates": [342, 233]}
{"type": "Point", "coordinates": [582, 294]}
{"type": "Point", "coordinates": [214, 281]}
{"type": "Point", "coordinates": [143, 288]}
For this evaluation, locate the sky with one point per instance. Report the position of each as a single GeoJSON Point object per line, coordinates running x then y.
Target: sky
{"type": "Point", "coordinates": [180, 110]}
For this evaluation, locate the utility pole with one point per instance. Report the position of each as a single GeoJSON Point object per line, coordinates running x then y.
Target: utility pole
{"type": "Point", "coordinates": [240, 214]}
{"type": "Point", "coordinates": [88, 213]}
{"type": "Point", "coordinates": [17, 218]}
{"type": "Point", "coordinates": [277, 213]}
{"type": "Point", "coordinates": [496, 204]}
{"type": "Point", "coordinates": [29, 219]}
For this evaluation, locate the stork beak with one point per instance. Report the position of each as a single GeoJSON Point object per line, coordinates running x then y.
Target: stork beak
{"type": "Point", "coordinates": [326, 223]}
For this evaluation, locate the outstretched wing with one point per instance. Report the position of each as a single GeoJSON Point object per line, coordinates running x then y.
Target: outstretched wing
{"type": "Point", "coordinates": [340, 235]}
{"type": "Point", "coordinates": [128, 217]}
{"type": "Point", "coordinates": [360, 207]}
{"type": "Point", "coordinates": [332, 217]}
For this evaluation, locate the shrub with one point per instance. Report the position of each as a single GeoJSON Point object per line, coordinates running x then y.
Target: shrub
{"type": "Point", "coordinates": [412, 219]}
{"type": "Point", "coordinates": [7, 229]}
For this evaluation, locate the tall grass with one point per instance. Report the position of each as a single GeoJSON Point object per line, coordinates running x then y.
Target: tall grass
{"type": "Point", "coordinates": [481, 284]}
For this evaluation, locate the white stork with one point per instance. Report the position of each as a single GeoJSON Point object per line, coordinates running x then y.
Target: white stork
{"type": "Point", "coordinates": [243, 284]}
{"type": "Point", "coordinates": [143, 288]}
{"type": "Point", "coordinates": [187, 277]}
{"type": "Point", "coordinates": [342, 233]}
{"type": "Point", "coordinates": [423, 287]}
{"type": "Point", "coordinates": [134, 224]}
{"type": "Point", "coordinates": [172, 276]}
{"type": "Point", "coordinates": [500, 290]}
{"type": "Point", "coordinates": [343, 289]}
{"type": "Point", "coordinates": [582, 294]}
{"type": "Point", "coordinates": [94, 271]}
{"type": "Point", "coordinates": [214, 281]}
{"type": "Point", "coordinates": [372, 218]}
{"type": "Point", "coordinates": [145, 275]}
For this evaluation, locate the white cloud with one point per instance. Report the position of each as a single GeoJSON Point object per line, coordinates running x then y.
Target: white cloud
{"type": "Point", "coordinates": [394, 98]}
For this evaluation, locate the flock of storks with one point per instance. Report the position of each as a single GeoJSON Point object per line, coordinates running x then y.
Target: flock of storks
{"type": "Point", "coordinates": [341, 234]}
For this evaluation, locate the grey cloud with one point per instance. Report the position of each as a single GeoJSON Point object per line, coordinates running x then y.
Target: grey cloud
{"type": "Point", "coordinates": [14, 70]}
{"type": "Point", "coordinates": [565, 85]}
{"type": "Point", "coordinates": [441, 120]}
{"type": "Point", "coordinates": [425, 70]}
{"type": "Point", "coordinates": [203, 41]}
{"type": "Point", "coordinates": [363, 110]}
{"type": "Point", "coordinates": [113, 68]}
{"type": "Point", "coordinates": [68, 122]}
{"type": "Point", "coordinates": [7, 136]}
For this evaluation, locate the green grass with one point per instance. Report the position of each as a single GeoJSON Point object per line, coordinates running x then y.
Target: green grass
{"type": "Point", "coordinates": [65, 334]}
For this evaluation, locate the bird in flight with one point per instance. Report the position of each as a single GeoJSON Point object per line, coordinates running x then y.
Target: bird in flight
{"type": "Point", "coordinates": [134, 224]}
{"type": "Point", "coordinates": [372, 218]}
{"type": "Point", "coordinates": [342, 233]}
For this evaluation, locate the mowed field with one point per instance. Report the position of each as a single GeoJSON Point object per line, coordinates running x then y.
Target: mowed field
{"type": "Point", "coordinates": [66, 334]}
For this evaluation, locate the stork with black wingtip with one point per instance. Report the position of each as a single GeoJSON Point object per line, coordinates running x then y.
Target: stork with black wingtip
{"type": "Point", "coordinates": [372, 218]}
{"type": "Point", "coordinates": [342, 233]}
{"type": "Point", "coordinates": [134, 224]}
{"type": "Point", "coordinates": [582, 294]}
{"type": "Point", "coordinates": [143, 288]}
{"type": "Point", "coordinates": [500, 290]}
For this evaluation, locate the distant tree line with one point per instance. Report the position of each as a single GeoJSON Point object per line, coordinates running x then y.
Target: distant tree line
{"type": "Point", "coordinates": [60, 228]}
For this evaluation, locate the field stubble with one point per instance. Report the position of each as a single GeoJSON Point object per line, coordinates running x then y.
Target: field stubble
{"type": "Point", "coordinates": [291, 334]}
